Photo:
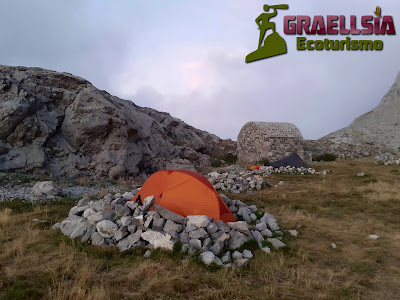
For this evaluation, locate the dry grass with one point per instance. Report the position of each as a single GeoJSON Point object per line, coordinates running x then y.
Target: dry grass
{"type": "Point", "coordinates": [340, 208]}
{"type": "Point", "coordinates": [5, 217]}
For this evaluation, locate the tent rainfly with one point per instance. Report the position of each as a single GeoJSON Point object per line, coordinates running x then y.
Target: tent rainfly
{"type": "Point", "coordinates": [186, 193]}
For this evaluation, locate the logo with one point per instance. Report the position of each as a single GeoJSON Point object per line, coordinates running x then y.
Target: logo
{"type": "Point", "coordinates": [378, 12]}
{"type": "Point", "coordinates": [274, 44]}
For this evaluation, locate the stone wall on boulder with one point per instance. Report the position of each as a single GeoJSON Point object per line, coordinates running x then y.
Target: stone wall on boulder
{"type": "Point", "coordinates": [61, 125]}
{"type": "Point", "coordinates": [268, 140]}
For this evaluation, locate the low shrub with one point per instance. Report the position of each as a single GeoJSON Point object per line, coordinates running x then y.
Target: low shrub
{"type": "Point", "coordinates": [263, 162]}
{"type": "Point", "coordinates": [229, 158]}
{"type": "Point", "coordinates": [326, 157]}
{"type": "Point", "coordinates": [216, 163]}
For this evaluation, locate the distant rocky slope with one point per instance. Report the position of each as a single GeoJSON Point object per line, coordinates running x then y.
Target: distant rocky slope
{"type": "Point", "coordinates": [61, 125]}
{"type": "Point", "coordinates": [373, 133]}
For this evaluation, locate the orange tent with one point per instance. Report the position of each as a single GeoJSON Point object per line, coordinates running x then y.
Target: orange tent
{"type": "Point", "coordinates": [186, 193]}
{"type": "Point", "coordinates": [254, 168]}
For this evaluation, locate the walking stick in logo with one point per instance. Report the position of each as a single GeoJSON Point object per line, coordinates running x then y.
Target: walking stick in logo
{"type": "Point", "coordinates": [274, 44]}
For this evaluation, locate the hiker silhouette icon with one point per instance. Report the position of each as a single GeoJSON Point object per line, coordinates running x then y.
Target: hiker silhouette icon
{"type": "Point", "coordinates": [273, 44]}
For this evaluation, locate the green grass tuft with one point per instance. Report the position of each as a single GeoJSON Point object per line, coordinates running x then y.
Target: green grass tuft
{"type": "Point", "coordinates": [251, 245]}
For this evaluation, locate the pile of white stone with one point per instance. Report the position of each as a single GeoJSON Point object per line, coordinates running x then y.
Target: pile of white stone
{"type": "Point", "coordinates": [387, 159]}
{"type": "Point", "coordinates": [236, 180]}
{"type": "Point", "coordinates": [236, 183]}
{"type": "Point", "coordinates": [267, 170]}
{"type": "Point", "coordinates": [43, 190]}
{"type": "Point", "coordinates": [118, 221]}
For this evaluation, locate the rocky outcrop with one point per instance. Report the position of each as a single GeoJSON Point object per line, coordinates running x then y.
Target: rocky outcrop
{"type": "Point", "coordinates": [373, 133]}
{"type": "Point", "coordinates": [61, 125]}
{"type": "Point", "coordinates": [259, 141]}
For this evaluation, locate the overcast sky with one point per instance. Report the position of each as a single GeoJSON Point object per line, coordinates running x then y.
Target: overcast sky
{"type": "Point", "coordinates": [188, 58]}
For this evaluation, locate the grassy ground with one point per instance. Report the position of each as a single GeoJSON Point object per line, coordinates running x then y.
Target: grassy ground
{"type": "Point", "coordinates": [340, 208]}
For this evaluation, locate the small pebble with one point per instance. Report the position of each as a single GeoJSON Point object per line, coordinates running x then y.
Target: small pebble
{"type": "Point", "coordinates": [374, 236]}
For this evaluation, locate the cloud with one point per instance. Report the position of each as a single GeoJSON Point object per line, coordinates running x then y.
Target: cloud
{"type": "Point", "coordinates": [71, 36]}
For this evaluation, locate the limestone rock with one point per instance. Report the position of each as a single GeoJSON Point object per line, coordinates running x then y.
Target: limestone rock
{"type": "Point", "coordinates": [237, 255]}
{"type": "Point", "coordinates": [190, 227]}
{"type": "Point", "coordinates": [88, 212]}
{"type": "Point", "coordinates": [158, 224]}
{"type": "Point", "coordinates": [226, 257]}
{"type": "Point", "coordinates": [237, 239]}
{"type": "Point", "coordinates": [76, 210]}
{"type": "Point", "coordinates": [83, 202]}
{"type": "Point", "coordinates": [222, 226]}
{"type": "Point", "coordinates": [261, 226]}
{"type": "Point", "coordinates": [126, 221]}
{"type": "Point", "coordinates": [224, 237]}
{"type": "Point", "coordinates": [46, 188]}
{"type": "Point", "coordinates": [122, 210]}
{"type": "Point", "coordinates": [247, 254]}
{"type": "Point", "coordinates": [206, 244]}
{"type": "Point", "coordinates": [196, 243]}
{"type": "Point", "coordinates": [207, 257]}
{"type": "Point", "coordinates": [61, 125]}
{"type": "Point", "coordinates": [266, 249]}
{"type": "Point", "coordinates": [183, 237]}
{"type": "Point", "coordinates": [132, 205]}
{"type": "Point", "coordinates": [148, 202]}
{"type": "Point", "coordinates": [270, 220]}
{"type": "Point", "coordinates": [198, 234]}
{"type": "Point", "coordinates": [212, 228]}
{"type": "Point", "coordinates": [128, 196]}
{"type": "Point", "coordinates": [70, 224]}
{"type": "Point", "coordinates": [217, 247]}
{"type": "Point", "coordinates": [276, 243]}
{"type": "Point", "coordinates": [120, 234]}
{"type": "Point", "coordinates": [198, 221]}
{"type": "Point", "coordinates": [169, 215]}
{"type": "Point", "coordinates": [158, 239]}
{"type": "Point", "coordinates": [257, 235]}
{"type": "Point", "coordinates": [106, 228]}
{"type": "Point", "coordinates": [97, 239]}
{"type": "Point", "coordinates": [129, 241]}
{"type": "Point", "coordinates": [240, 226]}
{"type": "Point", "coordinates": [266, 233]}
{"type": "Point", "coordinates": [56, 226]}
{"type": "Point", "coordinates": [172, 227]}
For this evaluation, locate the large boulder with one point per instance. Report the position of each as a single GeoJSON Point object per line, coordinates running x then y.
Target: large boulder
{"type": "Point", "coordinates": [46, 188]}
{"type": "Point", "coordinates": [61, 125]}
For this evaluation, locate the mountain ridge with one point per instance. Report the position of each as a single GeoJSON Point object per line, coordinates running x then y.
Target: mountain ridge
{"type": "Point", "coordinates": [61, 125]}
